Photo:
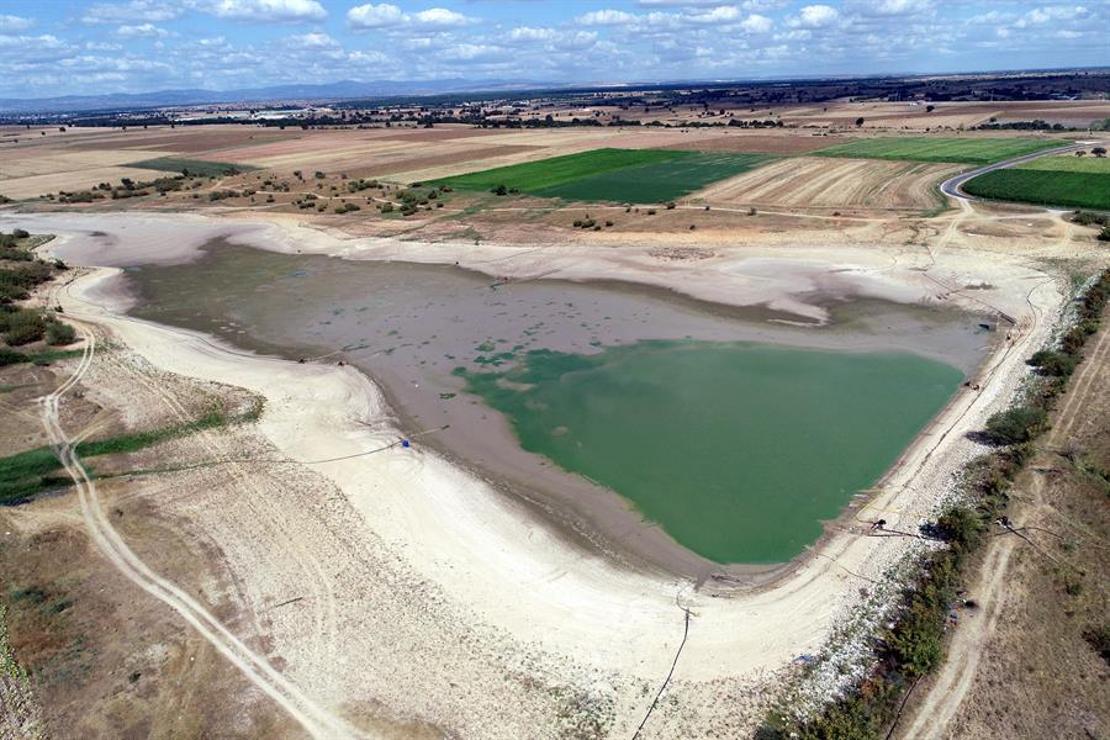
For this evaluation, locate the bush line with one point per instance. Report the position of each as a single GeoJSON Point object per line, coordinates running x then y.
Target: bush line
{"type": "Point", "coordinates": [914, 646]}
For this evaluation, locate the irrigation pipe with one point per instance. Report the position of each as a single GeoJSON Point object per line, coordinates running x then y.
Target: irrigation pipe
{"type": "Point", "coordinates": [667, 680]}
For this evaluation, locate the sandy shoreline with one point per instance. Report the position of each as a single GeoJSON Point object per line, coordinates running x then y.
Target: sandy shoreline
{"type": "Point", "coordinates": [511, 571]}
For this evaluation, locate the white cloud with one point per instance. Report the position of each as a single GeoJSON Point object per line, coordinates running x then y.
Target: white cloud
{"type": "Point", "coordinates": [606, 18]}
{"type": "Point", "coordinates": [375, 16]}
{"type": "Point", "coordinates": [815, 16]}
{"type": "Point", "coordinates": [722, 14]}
{"type": "Point", "coordinates": [369, 57]}
{"type": "Point", "coordinates": [45, 41]}
{"type": "Point", "coordinates": [14, 23]}
{"type": "Point", "coordinates": [384, 15]}
{"type": "Point", "coordinates": [313, 41]}
{"type": "Point", "coordinates": [148, 11]}
{"type": "Point", "coordinates": [471, 52]}
{"type": "Point", "coordinates": [897, 7]}
{"type": "Point", "coordinates": [756, 23]}
{"type": "Point", "coordinates": [1037, 16]}
{"type": "Point", "coordinates": [267, 10]}
{"type": "Point", "coordinates": [529, 33]}
{"type": "Point", "coordinates": [143, 30]}
{"type": "Point", "coordinates": [551, 38]}
{"type": "Point", "coordinates": [441, 17]}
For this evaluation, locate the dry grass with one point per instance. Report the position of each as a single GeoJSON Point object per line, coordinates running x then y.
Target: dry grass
{"type": "Point", "coordinates": [34, 186]}
{"type": "Point", "coordinates": [819, 182]}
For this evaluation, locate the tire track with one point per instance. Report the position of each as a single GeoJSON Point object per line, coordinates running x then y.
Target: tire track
{"type": "Point", "coordinates": [316, 720]}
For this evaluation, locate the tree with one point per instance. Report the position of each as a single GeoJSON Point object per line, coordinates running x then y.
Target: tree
{"type": "Point", "coordinates": [1098, 151]}
{"type": "Point", "coordinates": [859, 121]}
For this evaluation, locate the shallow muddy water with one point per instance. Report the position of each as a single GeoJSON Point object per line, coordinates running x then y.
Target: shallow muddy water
{"type": "Point", "coordinates": [735, 434]}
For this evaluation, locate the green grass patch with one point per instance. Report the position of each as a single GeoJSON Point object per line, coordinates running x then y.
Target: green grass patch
{"type": "Point", "coordinates": [658, 181]}
{"type": "Point", "coordinates": [26, 474]}
{"type": "Point", "coordinates": [10, 356]}
{"type": "Point", "coordinates": [1065, 163]}
{"type": "Point", "coordinates": [548, 173]}
{"type": "Point", "coordinates": [1044, 187]}
{"type": "Point", "coordinates": [196, 167]}
{"type": "Point", "coordinates": [632, 175]}
{"type": "Point", "coordinates": [928, 149]}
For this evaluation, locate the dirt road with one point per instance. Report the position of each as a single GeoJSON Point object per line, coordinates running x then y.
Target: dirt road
{"type": "Point", "coordinates": [970, 641]}
{"type": "Point", "coordinates": [316, 720]}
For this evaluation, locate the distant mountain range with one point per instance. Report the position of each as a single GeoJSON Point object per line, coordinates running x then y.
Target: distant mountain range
{"type": "Point", "coordinates": [345, 89]}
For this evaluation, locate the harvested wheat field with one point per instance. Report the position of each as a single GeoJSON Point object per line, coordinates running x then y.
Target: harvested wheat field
{"type": "Point", "coordinates": [38, 170]}
{"type": "Point", "coordinates": [915, 115]}
{"type": "Point", "coordinates": [728, 141]}
{"type": "Point", "coordinates": [827, 183]}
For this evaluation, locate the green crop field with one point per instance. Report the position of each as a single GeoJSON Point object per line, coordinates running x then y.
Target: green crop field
{"type": "Point", "coordinates": [198, 167]}
{"type": "Point", "coordinates": [545, 173]}
{"type": "Point", "coordinates": [927, 149]}
{"type": "Point", "coordinates": [1045, 187]}
{"type": "Point", "coordinates": [632, 175]}
{"type": "Point", "coordinates": [659, 181]}
{"type": "Point", "coordinates": [1072, 163]}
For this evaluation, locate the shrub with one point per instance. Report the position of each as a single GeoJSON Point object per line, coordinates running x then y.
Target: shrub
{"type": "Point", "coordinates": [11, 357]}
{"type": "Point", "coordinates": [1016, 425]}
{"type": "Point", "coordinates": [1054, 363]}
{"type": "Point", "coordinates": [959, 526]}
{"type": "Point", "coordinates": [1099, 639]}
{"type": "Point", "coordinates": [1104, 235]}
{"type": "Point", "coordinates": [1090, 218]}
{"type": "Point", "coordinates": [59, 334]}
{"type": "Point", "coordinates": [22, 327]}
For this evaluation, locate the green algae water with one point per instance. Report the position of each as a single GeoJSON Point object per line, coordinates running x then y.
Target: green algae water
{"type": "Point", "coordinates": [737, 450]}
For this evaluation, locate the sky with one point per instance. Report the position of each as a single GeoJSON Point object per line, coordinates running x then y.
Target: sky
{"type": "Point", "coordinates": [62, 47]}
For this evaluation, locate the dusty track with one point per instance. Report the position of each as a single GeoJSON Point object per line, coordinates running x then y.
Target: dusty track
{"type": "Point", "coordinates": [316, 720]}
{"type": "Point", "coordinates": [942, 703]}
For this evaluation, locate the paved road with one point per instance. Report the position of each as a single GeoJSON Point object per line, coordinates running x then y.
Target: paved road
{"type": "Point", "coordinates": [953, 186]}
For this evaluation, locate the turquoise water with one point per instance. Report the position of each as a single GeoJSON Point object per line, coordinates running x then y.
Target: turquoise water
{"type": "Point", "coordinates": [739, 451]}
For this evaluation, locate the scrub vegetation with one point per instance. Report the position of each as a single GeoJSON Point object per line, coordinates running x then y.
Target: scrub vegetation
{"type": "Point", "coordinates": [913, 645]}
{"type": "Point", "coordinates": [20, 273]}
{"type": "Point", "coordinates": [928, 149]}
